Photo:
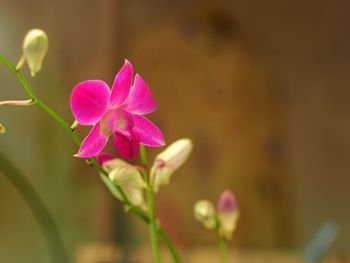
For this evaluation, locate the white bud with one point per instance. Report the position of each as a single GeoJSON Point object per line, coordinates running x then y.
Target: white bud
{"type": "Point", "coordinates": [35, 46]}
{"type": "Point", "coordinates": [2, 129]}
{"type": "Point", "coordinates": [169, 161]}
{"type": "Point", "coordinates": [204, 212]}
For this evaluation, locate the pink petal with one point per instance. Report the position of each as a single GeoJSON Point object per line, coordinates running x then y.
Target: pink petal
{"type": "Point", "coordinates": [93, 143]}
{"type": "Point", "coordinates": [122, 84]}
{"type": "Point", "coordinates": [103, 157]}
{"type": "Point", "coordinates": [140, 100]}
{"type": "Point", "coordinates": [127, 143]}
{"type": "Point", "coordinates": [150, 134]}
{"type": "Point", "coordinates": [108, 122]}
{"type": "Point", "coordinates": [89, 101]}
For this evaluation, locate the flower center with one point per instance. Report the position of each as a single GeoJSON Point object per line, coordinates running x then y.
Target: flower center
{"type": "Point", "coordinates": [122, 122]}
{"type": "Point", "coordinates": [108, 123]}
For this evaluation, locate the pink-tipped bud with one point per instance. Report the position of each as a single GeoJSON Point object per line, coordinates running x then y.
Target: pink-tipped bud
{"type": "Point", "coordinates": [168, 161]}
{"type": "Point", "coordinates": [228, 214]}
{"type": "Point", "coordinates": [227, 202]}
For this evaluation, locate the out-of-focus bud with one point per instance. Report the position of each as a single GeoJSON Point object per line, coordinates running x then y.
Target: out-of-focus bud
{"type": "Point", "coordinates": [228, 214]}
{"type": "Point", "coordinates": [204, 212]}
{"type": "Point", "coordinates": [128, 178]}
{"type": "Point", "coordinates": [169, 161]}
{"type": "Point", "coordinates": [17, 102]}
{"type": "Point", "coordinates": [2, 129]}
{"type": "Point", "coordinates": [35, 46]}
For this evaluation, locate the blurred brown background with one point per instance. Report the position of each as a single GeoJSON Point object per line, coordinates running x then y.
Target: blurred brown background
{"type": "Point", "coordinates": [260, 87]}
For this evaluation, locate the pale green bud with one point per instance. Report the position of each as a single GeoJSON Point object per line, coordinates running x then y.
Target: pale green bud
{"type": "Point", "coordinates": [35, 46]}
{"type": "Point", "coordinates": [204, 212]}
{"type": "Point", "coordinates": [169, 161]}
{"type": "Point", "coordinates": [2, 129]}
{"type": "Point", "coordinates": [129, 178]}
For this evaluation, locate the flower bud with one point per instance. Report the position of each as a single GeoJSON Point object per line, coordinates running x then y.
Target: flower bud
{"type": "Point", "coordinates": [2, 129]}
{"type": "Point", "coordinates": [35, 46]}
{"type": "Point", "coordinates": [227, 202]}
{"type": "Point", "coordinates": [228, 214]}
{"type": "Point", "coordinates": [128, 178]}
{"type": "Point", "coordinates": [17, 102]}
{"type": "Point", "coordinates": [169, 161]}
{"type": "Point", "coordinates": [125, 173]}
{"type": "Point", "coordinates": [204, 212]}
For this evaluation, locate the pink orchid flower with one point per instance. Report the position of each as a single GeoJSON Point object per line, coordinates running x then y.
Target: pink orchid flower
{"type": "Point", "coordinates": [118, 112]}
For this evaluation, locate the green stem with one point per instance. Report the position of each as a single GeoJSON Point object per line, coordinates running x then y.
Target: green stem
{"type": "Point", "coordinates": [92, 161]}
{"type": "Point", "coordinates": [153, 228]}
{"type": "Point", "coordinates": [153, 225]}
{"type": "Point", "coordinates": [20, 63]}
{"type": "Point", "coordinates": [143, 155]}
{"type": "Point", "coordinates": [169, 244]}
{"type": "Point", "coordinates": [19, 76]}
{"type": "Point", "coordinates": [38, 208]}
{"type": "Point", "coordinates": [223, 249]}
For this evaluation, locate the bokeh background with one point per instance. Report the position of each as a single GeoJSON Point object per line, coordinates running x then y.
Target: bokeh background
{"type": "Point", "coordinates": [262, 88]}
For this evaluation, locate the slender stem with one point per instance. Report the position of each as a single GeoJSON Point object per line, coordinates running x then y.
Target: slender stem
{"type": "Point", "coordinates": [169, 244]}
{"type": "Point", "coordinates": [38, 208]}
{"type": "Point", "coordinates": [153, 228]}
{"type": "Point", "coordinates": [223, 249]}
{"type": "Point", "coordinates": [92, 161]}
{"type": "Point", "coordinates": [20, 63]}
{"type": "Point", "coordinates": [74, 125]}
{"type": "Point", "coordinates": [19, 76]}
{"type": "Point", "coordinates": [161, 232]}
{"type": "Point", "coordinates": [153, 225]}
{"type": "Point", "coordinates": [143, 155]}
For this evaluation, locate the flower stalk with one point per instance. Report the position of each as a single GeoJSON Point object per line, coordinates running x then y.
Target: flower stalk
{"type": "Point", "coordinates": [153, 225]}
{"type": "Point", "coordinates": [21, 63]}
{"type": "Point", "coordinates": [151, 208]}
{"type": "Point", "coordinates": [38, 208]}
{"type": "Point", "coordinates": [223, 249]}
{"type": "Point", "coordinates": [137, 211]}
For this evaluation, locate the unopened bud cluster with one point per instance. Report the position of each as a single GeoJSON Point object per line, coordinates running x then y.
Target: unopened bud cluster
{"type": "Point", "coordinates": [224, 218]}
{"type": "Point", "coordinates": [131, 178]}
